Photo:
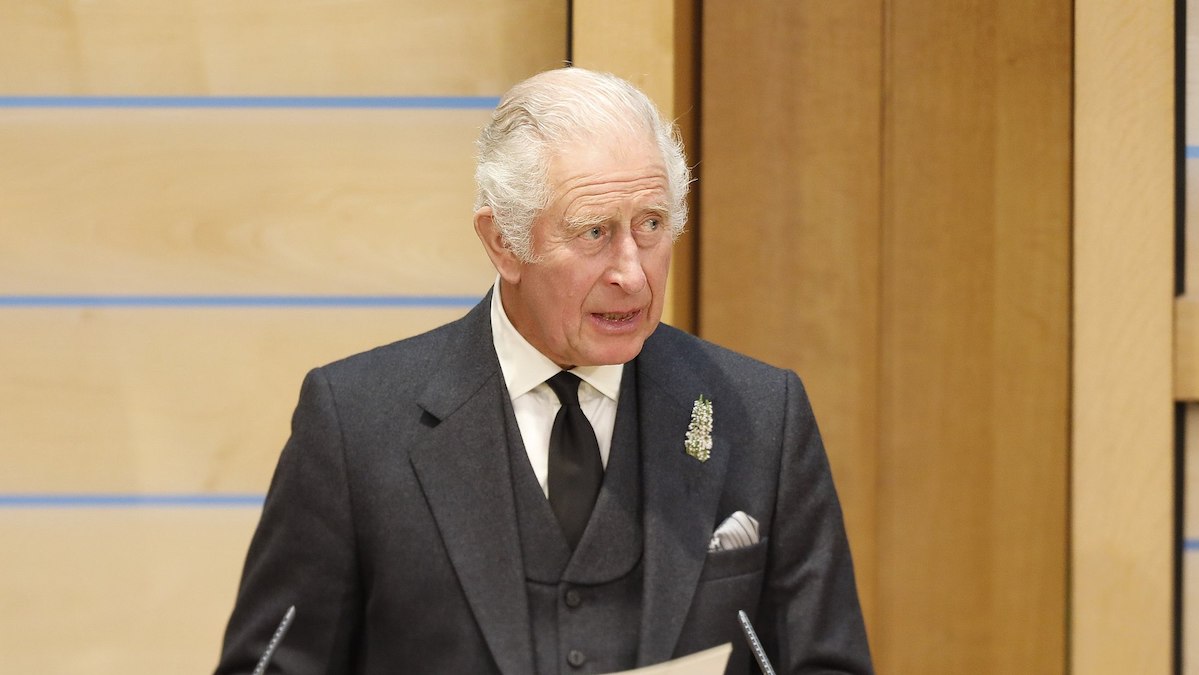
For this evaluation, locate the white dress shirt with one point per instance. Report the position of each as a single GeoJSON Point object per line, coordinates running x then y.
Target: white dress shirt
{"type": "Point", "coordinates": [525, 371]}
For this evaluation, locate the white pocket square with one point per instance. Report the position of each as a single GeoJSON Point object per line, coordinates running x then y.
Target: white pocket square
{"type": "Point", "coordinates": [737, 531]}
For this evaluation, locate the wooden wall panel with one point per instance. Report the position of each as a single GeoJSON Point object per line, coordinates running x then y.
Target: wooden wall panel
{"type": "Point", "coordinates": [304, 47]}
{"type": "Point", "coordinates": [287, 199]}
{"type": "Point", "coordinates": [789, 197]}
{"type": "Point", "coordinates": [886, 204]}
{"type": "Point", "coordinates": [176, 400]}
{"type": "Point", "coordinates": [123, 590]}
{"type": "Point", "coordinates": [239, 201]}
{"type": "Point", "coordinates": [1031, 324]}
{"type": "Point", "coordinates": [1122, 541]}
{"type": "Point", "coordinates": [644, 42]}
{"type": "Point", "coordinates": [975, 338]}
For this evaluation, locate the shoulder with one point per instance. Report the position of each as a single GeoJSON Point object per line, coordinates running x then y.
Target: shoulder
{"type": "Point", "coordinates": [410, 363]}
{"type": "Point", "coordinates": [688, 366]}
{"type": "Point", "coordinates": [672, 350]}
{"type": "Point", "coordinates": [407, 353]}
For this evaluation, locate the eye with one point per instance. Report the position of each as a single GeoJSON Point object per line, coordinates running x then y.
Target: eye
{"type": "Point", "coordinates": [594, 232]}
{"type": "Point", "coordinates": [653, 224]}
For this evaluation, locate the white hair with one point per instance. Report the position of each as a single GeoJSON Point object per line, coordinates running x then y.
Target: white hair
{"type": "Point", "coordinates": [547, 111]}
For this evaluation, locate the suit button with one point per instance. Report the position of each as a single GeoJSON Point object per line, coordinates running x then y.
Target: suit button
{"type": "Point", "coordinates": [576, 658]}
{"type": "Point", "coordinates": [573, 599]}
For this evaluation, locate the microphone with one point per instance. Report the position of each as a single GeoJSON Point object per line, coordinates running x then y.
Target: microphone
{"type": "Point", "coordinates": [755, 645]}
{"type": "Point", "coordinates": [260, 669]}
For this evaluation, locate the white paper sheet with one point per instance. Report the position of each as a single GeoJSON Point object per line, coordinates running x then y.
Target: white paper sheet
{"type": "Point", "coordinates": [708, 662]}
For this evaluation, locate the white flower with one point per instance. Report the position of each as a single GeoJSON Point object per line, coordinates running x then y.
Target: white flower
{"type": "Point", "coordinates": [699, 433]}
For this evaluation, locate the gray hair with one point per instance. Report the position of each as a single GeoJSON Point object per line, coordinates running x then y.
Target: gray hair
{"type": "Point", "coordinates": [547, 111]}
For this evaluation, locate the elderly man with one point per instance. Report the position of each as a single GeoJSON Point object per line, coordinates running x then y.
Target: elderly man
{"type": "Point", "coordinates": [555, 483]}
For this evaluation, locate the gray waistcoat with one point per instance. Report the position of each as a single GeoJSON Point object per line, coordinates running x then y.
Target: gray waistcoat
{"type": "Point", "coordinates": [585, 608]}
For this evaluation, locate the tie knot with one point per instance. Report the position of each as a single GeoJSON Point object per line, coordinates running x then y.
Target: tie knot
{"type": "Point", "coordinates": [566, 386]}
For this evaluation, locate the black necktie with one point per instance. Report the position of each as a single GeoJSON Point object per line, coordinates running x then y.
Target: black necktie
{"type": "Point", "coordinates": [575, 467]}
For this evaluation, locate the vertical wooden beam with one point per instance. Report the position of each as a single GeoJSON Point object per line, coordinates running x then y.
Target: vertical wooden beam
{"type": "Point", "coordinates": [937, 338]}
{"type": "Point", "coordinates": [1122, 489]}
{"type": "Point", "coordinates": [975, 317]}
{"type": "Point", "coordinates": [790, 198]}
{"type": "Point", "coordinates": [1031, 322]}
{"type": "Point", "coordinates": [651, 44]}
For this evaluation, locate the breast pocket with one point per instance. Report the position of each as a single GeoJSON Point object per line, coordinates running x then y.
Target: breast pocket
{"type": "Point", "coordinates": [735, 562]}
{"type": "Point", "coordinates": [730, 581]}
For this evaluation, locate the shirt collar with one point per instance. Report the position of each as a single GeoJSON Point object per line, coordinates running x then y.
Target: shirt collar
{"type": "Point", "coordinates": [524, 367]}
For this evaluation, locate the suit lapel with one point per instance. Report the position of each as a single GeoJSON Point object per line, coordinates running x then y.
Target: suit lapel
{"type": "Point", "coordinates": [681, 495]}
{"type": "Point", "coordinates": [460, 457]}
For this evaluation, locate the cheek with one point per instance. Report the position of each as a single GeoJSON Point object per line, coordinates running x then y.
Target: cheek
{"type": "Point", "coordinates": [570, 295]}
{"type": "Point", "coordinates": [657, 268]}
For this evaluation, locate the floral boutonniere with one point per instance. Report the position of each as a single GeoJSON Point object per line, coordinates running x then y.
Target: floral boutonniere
{"type": "Point", "coordinates": [699, 432]}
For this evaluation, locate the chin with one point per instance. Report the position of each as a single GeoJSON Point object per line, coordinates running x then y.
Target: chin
{"type": "Point", "coordinates": [617, 354]}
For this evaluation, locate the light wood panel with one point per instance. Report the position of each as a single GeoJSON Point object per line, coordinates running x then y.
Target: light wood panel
{"type": "Point", "coordinates": [166, 400]}
{"type": "Point", "coordinates": [118, 590]}
{"type": "Point", "coordinates": [789, 196]}
{"type": "Point", "coordinates": [210, 202]}
{"type": "Point", "coordinates": [239, 201]}
{"type": "Point", "coordinates": [1191, 85]}
{"type": "Point", "coordinates": [1122, 464]}
{"type": "Point", "coordinates": [277, 46]}
{"type": "Point", "coordinates": [651, 43]}
{"type": "Point", "coordinates": [642, 41]}
{"type": "Point", "coordinates": [1186, 348]}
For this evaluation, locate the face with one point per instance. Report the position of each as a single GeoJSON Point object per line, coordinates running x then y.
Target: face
{"type": "Point", "coordinates": [602, 251]}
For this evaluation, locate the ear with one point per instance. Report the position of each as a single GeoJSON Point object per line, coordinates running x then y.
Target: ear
{"type": "Point", "coordinates": [502, 257]}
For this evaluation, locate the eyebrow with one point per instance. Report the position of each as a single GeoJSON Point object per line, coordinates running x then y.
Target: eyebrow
{"type": "Point", "coordinates": [583, 221]}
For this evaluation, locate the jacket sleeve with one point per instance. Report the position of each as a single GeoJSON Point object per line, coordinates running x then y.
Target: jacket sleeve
{"type": "Point", "coordinates": [302, 553]}
{"type": "Point", "coordinates": [810, 618]}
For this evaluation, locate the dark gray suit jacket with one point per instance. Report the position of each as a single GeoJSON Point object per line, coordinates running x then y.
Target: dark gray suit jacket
{"type": "Point", "coordinates": [390, 522]}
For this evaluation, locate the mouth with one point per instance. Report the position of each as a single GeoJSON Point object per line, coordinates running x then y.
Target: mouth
{"type": "Point", "coordinates": [617, 317]}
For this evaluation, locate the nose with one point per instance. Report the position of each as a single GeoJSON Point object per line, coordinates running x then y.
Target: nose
{"type": "Point", "coordinates": [625, 269]}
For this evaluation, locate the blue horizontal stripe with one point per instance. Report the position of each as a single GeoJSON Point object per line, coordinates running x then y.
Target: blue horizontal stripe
{"type": "Point", "coordinates": [1190, 544]}
{"type": "Point", "coordinates": [431, 301]}
{"type": "Point", "coordinates": [110, 500]}
{"type": "Point", "coordinates": [394, 102]}
{"type": "Point", "coordinates": [1193, 152]}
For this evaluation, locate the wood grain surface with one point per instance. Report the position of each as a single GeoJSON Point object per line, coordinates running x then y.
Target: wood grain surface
{"type": "Point", "coordinates": [886, 207]}
{"type": "Point", "coordinates": [975, 337]}
{"type": "Point", "coordinates": [789, 197]}
{"type": "Point", "coordinates": [202, 201]}
{"type": "Point", "coordinates": [119, 590]}
{"type": "Point", "coordinates": [272, 47]}
{"type": "Point", "coordinates": [1122, 542]}
{"type": "Point", "coordinates": [239, 201]}
{"type": "Point", "coordinates": [167, 400]}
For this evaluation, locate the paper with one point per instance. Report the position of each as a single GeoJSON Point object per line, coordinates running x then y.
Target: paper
{"type": "Point", "coordinates": [708, 662]}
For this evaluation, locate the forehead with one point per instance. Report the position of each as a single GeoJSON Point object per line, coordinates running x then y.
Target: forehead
{"type": "Point", "coordinates": [597, 172]}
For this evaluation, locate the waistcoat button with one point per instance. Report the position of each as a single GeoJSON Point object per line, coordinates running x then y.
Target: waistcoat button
{"type": "Point", "coordinates": [576, 658]}
{"type": "Point", "coordinates": [573, 599]}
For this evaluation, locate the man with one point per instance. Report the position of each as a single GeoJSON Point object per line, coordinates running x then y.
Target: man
{"type": "Point", "coordinates": [454, 503]}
